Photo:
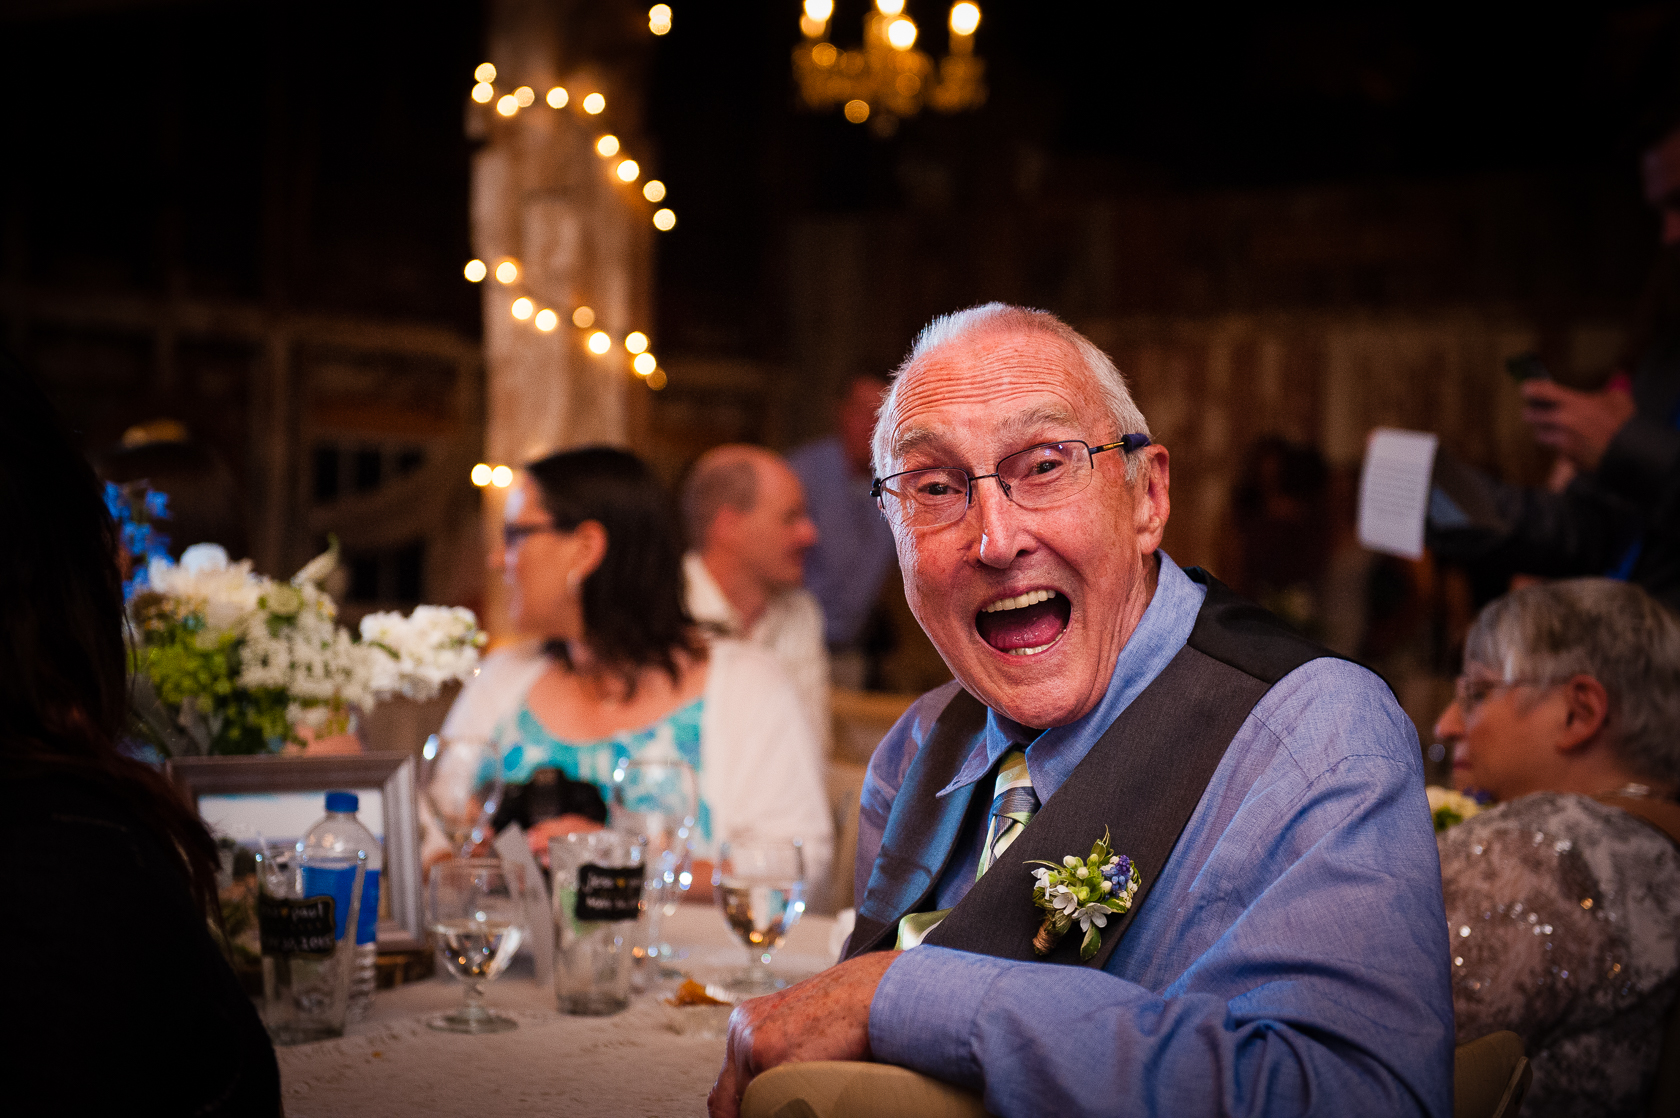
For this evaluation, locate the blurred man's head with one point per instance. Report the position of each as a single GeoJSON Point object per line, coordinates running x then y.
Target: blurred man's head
{"type": "Point", "coordinates": [1567, 686]}
{"type": "Point", "coordinates": [745, 508]}
{"type": "Point", "coordinates": [1029, 606]}
{"type": "Point", "coordinates": [856, 419]}
{"type": "Point", "coordinates": [1662, 183]}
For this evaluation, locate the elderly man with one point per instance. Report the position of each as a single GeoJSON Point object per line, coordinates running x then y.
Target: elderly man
{"type": "Point", "coordinates": [744, 510]}
{"type": "Point", "coordinates": [1285, 950]}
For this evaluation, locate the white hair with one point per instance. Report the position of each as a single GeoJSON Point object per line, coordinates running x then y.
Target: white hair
{"type": "Point", "coordinates": [1002, 318]}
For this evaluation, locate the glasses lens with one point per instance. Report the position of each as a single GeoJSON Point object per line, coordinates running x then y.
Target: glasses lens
{"type": "Point", "coordinates": [922, 498]}
{"type": "Point", "coordinates": [1042, 475]}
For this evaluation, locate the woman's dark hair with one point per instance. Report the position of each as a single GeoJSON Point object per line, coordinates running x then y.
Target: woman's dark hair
{"type": "Point", "coordinates": [634, 614]}
{"type": "Point", "coordinates": [64, 700]}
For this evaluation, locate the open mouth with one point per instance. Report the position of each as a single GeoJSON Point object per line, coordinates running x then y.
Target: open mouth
{"type": "Point", "coordinates": [1026, 624]}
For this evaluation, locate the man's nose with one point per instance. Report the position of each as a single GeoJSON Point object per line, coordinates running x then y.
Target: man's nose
{"type": "Point", "coordinates": [999, 520]}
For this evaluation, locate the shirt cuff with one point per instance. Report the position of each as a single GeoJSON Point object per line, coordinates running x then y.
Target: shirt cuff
{"type": "Point", "coordinates": [925, 1008]}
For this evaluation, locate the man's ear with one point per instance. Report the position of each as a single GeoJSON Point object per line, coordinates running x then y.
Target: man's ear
{"type": "Point", "coordinates": [1153, 504]}
{"type": "Point", "coordinates": [1586, 713]}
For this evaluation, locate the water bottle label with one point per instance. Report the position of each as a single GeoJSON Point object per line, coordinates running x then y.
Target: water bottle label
{"type": "Point", "coordinates": [336, 882]}
{"type": "Point", "coordinates": [608, 893]}
{"type": "Point", "coordinates": [293, 927]}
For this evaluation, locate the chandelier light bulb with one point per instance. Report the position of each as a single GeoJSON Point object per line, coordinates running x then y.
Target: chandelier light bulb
{"type": "Point", "coordinates": [507, 105]}
{"type": "Point", "coordinates": [654, 191]}
{"type": "Point", "coordinates": [606, 146]}
{"type": "Point", "coordinates": [486, 72]}
{"type": "Point", "coordinates": [965, 17]}
{"type": "Point", "coordinates": [818, 11]}
{"type": "Point", "coordinates": [901, 33]}
{"type": "Point", "coordinates": [635, 341]}
{"type": "Point", "coordinates": [659, 19]}
{"type": "Point", "coordinates": [857, 111]}
{"type": "Point", "coordinates": [475, 271]}
{"type": "Point", "coordinates": [525, 95]}
{"type": "Point", "coordinates": [644, 363]}
{"type": "Point", "coordinates": [547, 320]}
{"type": "Point", "coordinates": [507, 271]}
{"type": "Point", "coordinates": [599, 342]}
{"type": "Point", "coordinates": [481, 474]}
{"type": "Point", "coordinates": [583, 318]}
{"type": "Point", "coordinates": [523, 308]}
{"type": "Point", "coordinates": [594, 104]}
{"type": "Point", "coordinates": [557, 97]}
{"type": "Point", "coordinates": [889, 7]}
{"type": "Point", "coordinates": [629, 170]}
{"type": "Point", "coordinates": [482, 92]}
{"type": "Point", "coordinates": [664, 220]}
{"type": "Point", "coordinates": [501, 477]}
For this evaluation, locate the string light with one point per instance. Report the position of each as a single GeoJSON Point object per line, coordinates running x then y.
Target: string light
{"type": "Point", "coordinates": [628, 170]}
{"type": "Point", "coordinates": [507, 271]}
{"type": "Point", "coordinates": [522, 308]}
{"type": "Point", "coordinates": [606, 146]}
{"type": "Point", "coordinates": [857, 111]}
{"type": "Point", "coordinates": [664, 220]}
{"type": "Point", "coordinates": [599, 342]}
{"type": "Point", "coordinates": [594, 104]}
{"type": "Point", "coordinates": [819, 10]}
{"type": "Point", "coordinates": [557, 97]}
{"type": "Point", "coordinates": [659, 19]}
{"type": "Point", "coordinates": [654, 191]}
{"type": "Point", "coordinates": [583, 318]}
{"type": "Point", "coordinates": [475, 271]}
{"type": "Point", "coordinates": [644, 363]}
{"type": "Point", "coordinates": [901, 33]}
{"type": "Point", "coordinates": [965, 17]}
{"type": "Point", "coordinates": [486, 72]}
{"type": "Point", "coordinates": [890, 7]}
{"type": "Point", "coordinates": [501, 477]}
{"type": "Point", "coordinates": [635, 341]}
{"type": "Point", "coordinates": [655, 380]}
{"type": "Point", "coordinates": [481, 474]}
{"type": "Point", "coordinates": [482, 92]}
{"type": "Point", "coordinates": [525, 95]}
{"type": "Point", "coordinates": [507, 106]}
{"type": "Point", "coordinates": [547, 320]}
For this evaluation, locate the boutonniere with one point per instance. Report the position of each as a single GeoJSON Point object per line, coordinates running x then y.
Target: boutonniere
{"type": "Point", "coordinates": [1084, 891]}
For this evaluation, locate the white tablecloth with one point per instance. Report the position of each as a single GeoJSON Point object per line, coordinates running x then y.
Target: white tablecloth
{"type": "Point", "coordinates": [631, 1064]}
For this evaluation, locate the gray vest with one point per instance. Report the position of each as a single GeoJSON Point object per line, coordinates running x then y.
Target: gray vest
{"type": "Point", "coordinates": [1142, 780]}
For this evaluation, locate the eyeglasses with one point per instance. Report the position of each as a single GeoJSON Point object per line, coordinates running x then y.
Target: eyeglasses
{"type": "Point", "coordinates": [1472, 693]}
{"type": "Point", "coordinates": [1034, 478]}
{"type": "Point", "coordinates": [514, 534]}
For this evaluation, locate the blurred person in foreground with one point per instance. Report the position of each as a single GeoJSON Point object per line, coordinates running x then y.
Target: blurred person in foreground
{"type": "Point", "coordinates": [854, 550]}
{"type": "Point", "coordinates": [125, 1004]}
{"type": "Point", "coordinates": [619, 669]}
{"type": "Point", "coordinates": [1283, 954]}
{"type": "Point", "coordinates": [748, 531]}
{"type": "Point", "coordinates": [1563, 900]}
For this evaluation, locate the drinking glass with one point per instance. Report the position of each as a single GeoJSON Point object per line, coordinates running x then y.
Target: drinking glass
{"type": "Point", "coordinates": [476, 909]}
{"type": "Point", "coordinates": [598, 899]}
{"type": "Point", "coordinates": [308, 951]}
{"type": "Point", "coordinates": [761, 886]}
{"type": "Point", "coordinates": [659, 799]}
{"type": "Point", "coordinates": [462, 782]}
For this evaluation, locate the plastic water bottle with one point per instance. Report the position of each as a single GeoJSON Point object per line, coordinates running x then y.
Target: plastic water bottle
{"type": "Point", "coordinates": [329, 867]}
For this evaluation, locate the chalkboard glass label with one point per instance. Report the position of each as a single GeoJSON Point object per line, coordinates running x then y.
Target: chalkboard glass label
{"type": "Point", "coordinates": [292, 927]}
{"type": "Point", "coordinates": [608, 893]}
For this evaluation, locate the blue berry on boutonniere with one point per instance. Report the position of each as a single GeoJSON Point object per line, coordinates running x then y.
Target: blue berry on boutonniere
{"type": "Point", "coordinates": [1085, 891]}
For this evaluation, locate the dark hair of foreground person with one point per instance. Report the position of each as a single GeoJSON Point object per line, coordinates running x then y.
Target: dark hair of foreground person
{"type": "Point", "coordinates": [129, 1006]}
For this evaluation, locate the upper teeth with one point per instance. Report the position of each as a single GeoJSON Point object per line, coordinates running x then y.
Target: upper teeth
{"type": "Point", "coordinates": [1030, 598]}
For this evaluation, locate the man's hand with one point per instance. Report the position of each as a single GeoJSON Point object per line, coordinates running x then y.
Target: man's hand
{"type": "Point", "coordinates": [1579, 425]}
{"type": "Point", "coordinates": [822, 1018]}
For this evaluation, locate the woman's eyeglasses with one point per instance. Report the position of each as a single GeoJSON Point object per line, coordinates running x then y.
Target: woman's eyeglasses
{"type": "Point", "coordinates": [514, 534]}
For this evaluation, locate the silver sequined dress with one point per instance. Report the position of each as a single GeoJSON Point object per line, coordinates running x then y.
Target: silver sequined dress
{"type": "Point", "coordinates": [1564, 920]}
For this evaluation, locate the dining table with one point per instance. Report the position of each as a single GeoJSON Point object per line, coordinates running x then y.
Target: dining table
{"type": "Point", "coordinates": [652, 1059]}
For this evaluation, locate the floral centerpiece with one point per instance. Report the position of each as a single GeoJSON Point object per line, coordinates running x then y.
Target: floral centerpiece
{"type": "Point", "coordinates": [1449, 808]}
{"type": "Point", "coordinates": [227, 661]}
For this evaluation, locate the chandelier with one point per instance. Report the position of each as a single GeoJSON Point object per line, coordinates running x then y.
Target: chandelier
{"type": "Point", "coordinates": [888, 78]}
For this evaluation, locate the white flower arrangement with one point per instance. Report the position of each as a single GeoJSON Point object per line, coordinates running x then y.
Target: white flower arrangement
{"type": "Point", "coordinates": [1448, 808]}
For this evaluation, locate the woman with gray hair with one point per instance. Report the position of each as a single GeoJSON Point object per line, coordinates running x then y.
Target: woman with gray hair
{"type": "Point", "coordinates": [1563, 901]}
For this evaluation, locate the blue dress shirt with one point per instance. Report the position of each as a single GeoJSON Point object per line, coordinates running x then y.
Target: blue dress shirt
{"type": "Point", "coordinates": [1291, 959]}
{"type": "Point", "coordinates": [854, 547]}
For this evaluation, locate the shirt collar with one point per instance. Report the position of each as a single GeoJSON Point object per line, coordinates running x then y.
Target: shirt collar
{"type": "Point", "coordinates": [705, 598]}
{"type": "Point", "coordinates": [1053, 754]}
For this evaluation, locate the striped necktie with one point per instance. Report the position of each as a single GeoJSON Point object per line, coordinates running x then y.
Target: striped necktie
{"type": "Point", "coordinates": [1013, 805]}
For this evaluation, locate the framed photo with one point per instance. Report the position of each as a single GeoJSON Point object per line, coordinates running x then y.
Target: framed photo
{"type": "Point", "coordinates": [253, 800]}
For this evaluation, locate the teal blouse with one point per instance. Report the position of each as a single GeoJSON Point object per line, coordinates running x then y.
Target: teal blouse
{"type": "Point", "coordinates": [527, 746]}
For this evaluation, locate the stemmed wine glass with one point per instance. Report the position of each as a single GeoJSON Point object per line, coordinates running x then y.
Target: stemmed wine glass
{"type": "Point", "coordinates": [476, 909]}
{"type": "Point", "coordinates": [761, 886]}
{"type": "Point", "coordinates": [659, 799]}
{"type": "Point", "coordinates": [463, 784]}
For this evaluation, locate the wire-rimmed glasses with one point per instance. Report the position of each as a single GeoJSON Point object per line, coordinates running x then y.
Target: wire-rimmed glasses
{"type": "Point", "coordinates": [1034, 478]}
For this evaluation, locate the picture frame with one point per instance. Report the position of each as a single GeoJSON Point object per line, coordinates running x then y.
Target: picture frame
{"type": "Point", "coordinates": [237, 796]}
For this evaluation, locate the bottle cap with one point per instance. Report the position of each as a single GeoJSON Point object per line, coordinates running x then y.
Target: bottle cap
{"type": "Point", "coordinates": [341, 801]}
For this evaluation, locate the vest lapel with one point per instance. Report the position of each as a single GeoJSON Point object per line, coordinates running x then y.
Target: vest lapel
{"type": "Point", "coordinates": [917, 844]}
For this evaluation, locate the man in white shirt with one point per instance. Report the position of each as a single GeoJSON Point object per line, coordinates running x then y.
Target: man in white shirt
{"type": "Point", "coordinates": [749, 531]}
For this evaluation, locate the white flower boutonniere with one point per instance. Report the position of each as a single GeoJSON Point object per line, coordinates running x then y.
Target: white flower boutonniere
{"type": "Point", "coordinates": [1084, 891]}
